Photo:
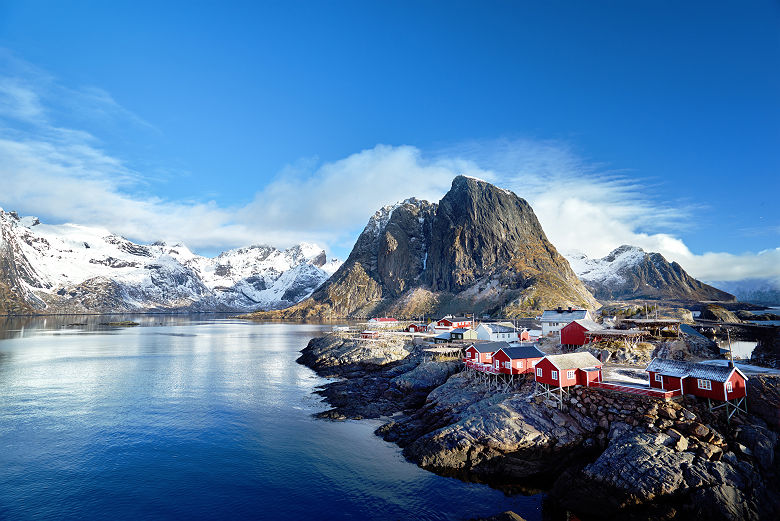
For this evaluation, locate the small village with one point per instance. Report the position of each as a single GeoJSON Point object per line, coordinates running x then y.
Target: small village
{"type": "Point", "coordinates": [567, 352]}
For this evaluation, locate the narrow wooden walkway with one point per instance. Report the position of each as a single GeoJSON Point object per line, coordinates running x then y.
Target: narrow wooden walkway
{"type": "Point", "coordinates": [636, 389]}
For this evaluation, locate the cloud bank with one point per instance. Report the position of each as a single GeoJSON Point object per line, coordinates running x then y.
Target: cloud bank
{"type": "Point", "coordinates": [66, 175]}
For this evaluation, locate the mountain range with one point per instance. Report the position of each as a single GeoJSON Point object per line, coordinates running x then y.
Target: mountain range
{"type": "Point", "coordinates": [70, 268]}
{"type": "Point", "coordinates": [480, 250]}
{"type": "Point", "coordinates": [630, 273]}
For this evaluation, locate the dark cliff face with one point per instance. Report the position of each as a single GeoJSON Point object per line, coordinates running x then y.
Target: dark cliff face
{"type": "Point", "coordinates": [387, 259]}
{"type": "Point", "coordinates": [480, 241]}
{"type": "Point", "coordinates": [481, 230]}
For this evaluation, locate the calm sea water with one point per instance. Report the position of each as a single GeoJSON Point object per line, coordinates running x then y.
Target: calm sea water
{"type": "Point", "coordinates": [186, 418]}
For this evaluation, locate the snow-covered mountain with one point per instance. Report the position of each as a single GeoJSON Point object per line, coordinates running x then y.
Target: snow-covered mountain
{"type": "Point", "coordinates": [756, 291]}
{"type": "Point", "coordinates": [70, 268]}
{"type": "Point", "coordinates": [628, 272]}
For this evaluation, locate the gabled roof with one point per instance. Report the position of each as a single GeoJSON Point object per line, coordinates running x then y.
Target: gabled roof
{"type": "Point", "coordinates": [517, 352]}
{"type": "Point", "coordinates": [573, 360]}
{"type": "Point", "coordinates": [443, 336]}
{"type": "Point", "coordinates": [489, 347]}
{"type": "Point", "coordinates": [679, 369]}
{"type": "Point", "coordinates": [498, 328]}
{"type": "Point", "coordinates": [588, 324]}
{"type": "Point", "coordinates": [461, 330]}
{"type": "Point", "coordinates": [552, 315]}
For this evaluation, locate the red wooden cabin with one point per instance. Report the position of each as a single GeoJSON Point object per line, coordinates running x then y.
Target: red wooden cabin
{"type": "Point", "coordinates": [569, 369]}
{"type": "Point", "coordinates": [573, 334]}
{"type": "Point", "coordinates": [482, 352]}
{"type": "Point", "coordinates": [716, 382]}
{"type": "Point", "coordinates": [417, 328]}
{"type": "Point", "coordinates": [517, 360]}
{"type": "Point", "coordinates": [454, 323]}
{"type": "Point", "coordinates": [369, 334]}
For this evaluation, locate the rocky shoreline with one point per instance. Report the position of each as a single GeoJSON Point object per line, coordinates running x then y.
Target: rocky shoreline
{"type": "Point", "coordinates": [605, 455]}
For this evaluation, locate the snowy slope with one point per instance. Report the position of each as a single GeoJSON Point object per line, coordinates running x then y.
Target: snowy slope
{"type": "Point", "coordinates": [74, 268]}
{"type": "Point", "coordinates": [628, 272]}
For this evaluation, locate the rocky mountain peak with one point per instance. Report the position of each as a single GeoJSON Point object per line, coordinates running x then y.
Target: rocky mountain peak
{"type": "Point", "coordinates": [479, 240]}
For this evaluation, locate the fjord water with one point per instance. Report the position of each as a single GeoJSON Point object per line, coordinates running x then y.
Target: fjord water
{"type": "Point", "coordinates": [193, 418]}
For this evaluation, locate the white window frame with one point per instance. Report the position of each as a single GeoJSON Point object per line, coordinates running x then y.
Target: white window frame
{"type": "Point", "coordinates": [507, 365]}
{"type": "Point", "coordinates": [729, 387]}
{"type": "Point", "coordinates": [570, 374]}
{"type": "Point", "coordinates": [519, 364]}
{"type": "Point", "coordinates": [658, 377]}
{"type": "Point", "coordinates": [703, 384]}
{"type": "Point", "coordinates": [539, 372]}
{"type": "Point", "coordinates": [554, 375]}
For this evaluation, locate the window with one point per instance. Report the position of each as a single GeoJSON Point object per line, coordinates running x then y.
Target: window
{"type": "Point", "coordinates": [729, 388]}
{"type": "Point", "coordinates": [539, 371]}
{"type": "Point", "coordinates": [570, 375]}
{"type": "Point", "coordinates": [704, 384]}
{"type": "Point", "coordinates": [519, 363]}
{"type": "Point", "coordinates": [508, 365]}
{"type": "Point", "coordinates": [658, 377]}
{"type": "Point", "coordinates": [554, 375]}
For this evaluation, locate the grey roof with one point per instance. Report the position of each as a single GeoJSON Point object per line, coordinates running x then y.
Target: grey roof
{"type": "Point", "coordinates": [517, 352]}
{"type": "Point", "coordinates": [489, 347]}
{"type": "Point", "coordinates": [679, 369]}
{"type": "Point", "coordinates": [573, 360]}
{"type": "Point", "coordinates": [458, 319]}
{"type": "Point", "coordinates": [688, 330]}
{"type": "Point", "coordinates": [552, 315]}
{"type": "Point", "coordinates": [588, 324]}
{"type": "Point", "coordinates": [460, 330]}
{"type": "Point", "coordinates": [445, 335]}
{"type": "Point", "coordinates": [498, 328]}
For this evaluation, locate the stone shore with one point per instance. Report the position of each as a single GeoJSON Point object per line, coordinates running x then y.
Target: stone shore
{"type": "Point", "coordinates": [603, 455]}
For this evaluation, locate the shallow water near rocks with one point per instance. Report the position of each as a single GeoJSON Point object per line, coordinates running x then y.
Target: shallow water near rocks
{"type": "Point", "coordinates": [196, 418]}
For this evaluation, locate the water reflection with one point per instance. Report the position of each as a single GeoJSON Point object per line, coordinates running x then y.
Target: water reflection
{"type": "Point", "coordinates": [186, 417]}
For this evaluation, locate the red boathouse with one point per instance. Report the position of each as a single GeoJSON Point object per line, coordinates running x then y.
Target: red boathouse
{"type": "Point", "coordinates": [573, 334]}
{"type": "Point", "coordinates": [567, 370]}
{"type": "Point", "coordinates": [517, 360]}
{"type": "Point", "coordinates": [725, 383]}
{"type": "Point", "coordinates": [450, 323]}
{"type": "Point", "coordinates": [482, 352]}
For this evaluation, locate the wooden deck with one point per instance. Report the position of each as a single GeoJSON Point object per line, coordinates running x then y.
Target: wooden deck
{"type": "Point", "coordinates": [636, 389]}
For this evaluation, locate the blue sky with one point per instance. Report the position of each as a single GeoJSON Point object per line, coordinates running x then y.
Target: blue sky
{"type": "Point", "coordinates": [223, 123]}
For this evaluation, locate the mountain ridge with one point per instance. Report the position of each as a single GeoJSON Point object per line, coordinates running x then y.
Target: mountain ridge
{"type": "Point", "coordinates": [73, 268]}
{"type": "Point", "coordinates": [630, 273]}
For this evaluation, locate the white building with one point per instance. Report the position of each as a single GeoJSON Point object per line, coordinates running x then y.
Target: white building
{"type": "Point", "coordinates": [553, 320]}
{"type": "Point", "coordinates": [497, 332]}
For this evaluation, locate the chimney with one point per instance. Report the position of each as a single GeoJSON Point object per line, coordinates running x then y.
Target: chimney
{"type": "Point", "coordinates": [570, 310]}
{"type": "Point", "coordinates": [560, 309]}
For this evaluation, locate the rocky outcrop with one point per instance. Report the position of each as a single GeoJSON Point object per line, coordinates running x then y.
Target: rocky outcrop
{"type": "Point", "coordinates": [763, 395]}
{"type": "Point", "coordinates": [719, 313]}
{"type": "Point", "coordinates": [13, 304]}
{"type": "Point", "coordinates": [649, 470]}
{"type": "Point", "coordinates": [480, 249]}
{"type": "Point", "coordinates": [629, 273]}
{"type": "Point", "coordinates": [607, 455]}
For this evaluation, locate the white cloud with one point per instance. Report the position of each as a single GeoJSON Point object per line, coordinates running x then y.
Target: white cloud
{"type": "Point", "coordinates": [64, 174]}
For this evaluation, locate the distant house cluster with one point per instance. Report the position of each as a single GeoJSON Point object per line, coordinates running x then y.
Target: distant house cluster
{"type": "Point", "coordinates": [554, 374]}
